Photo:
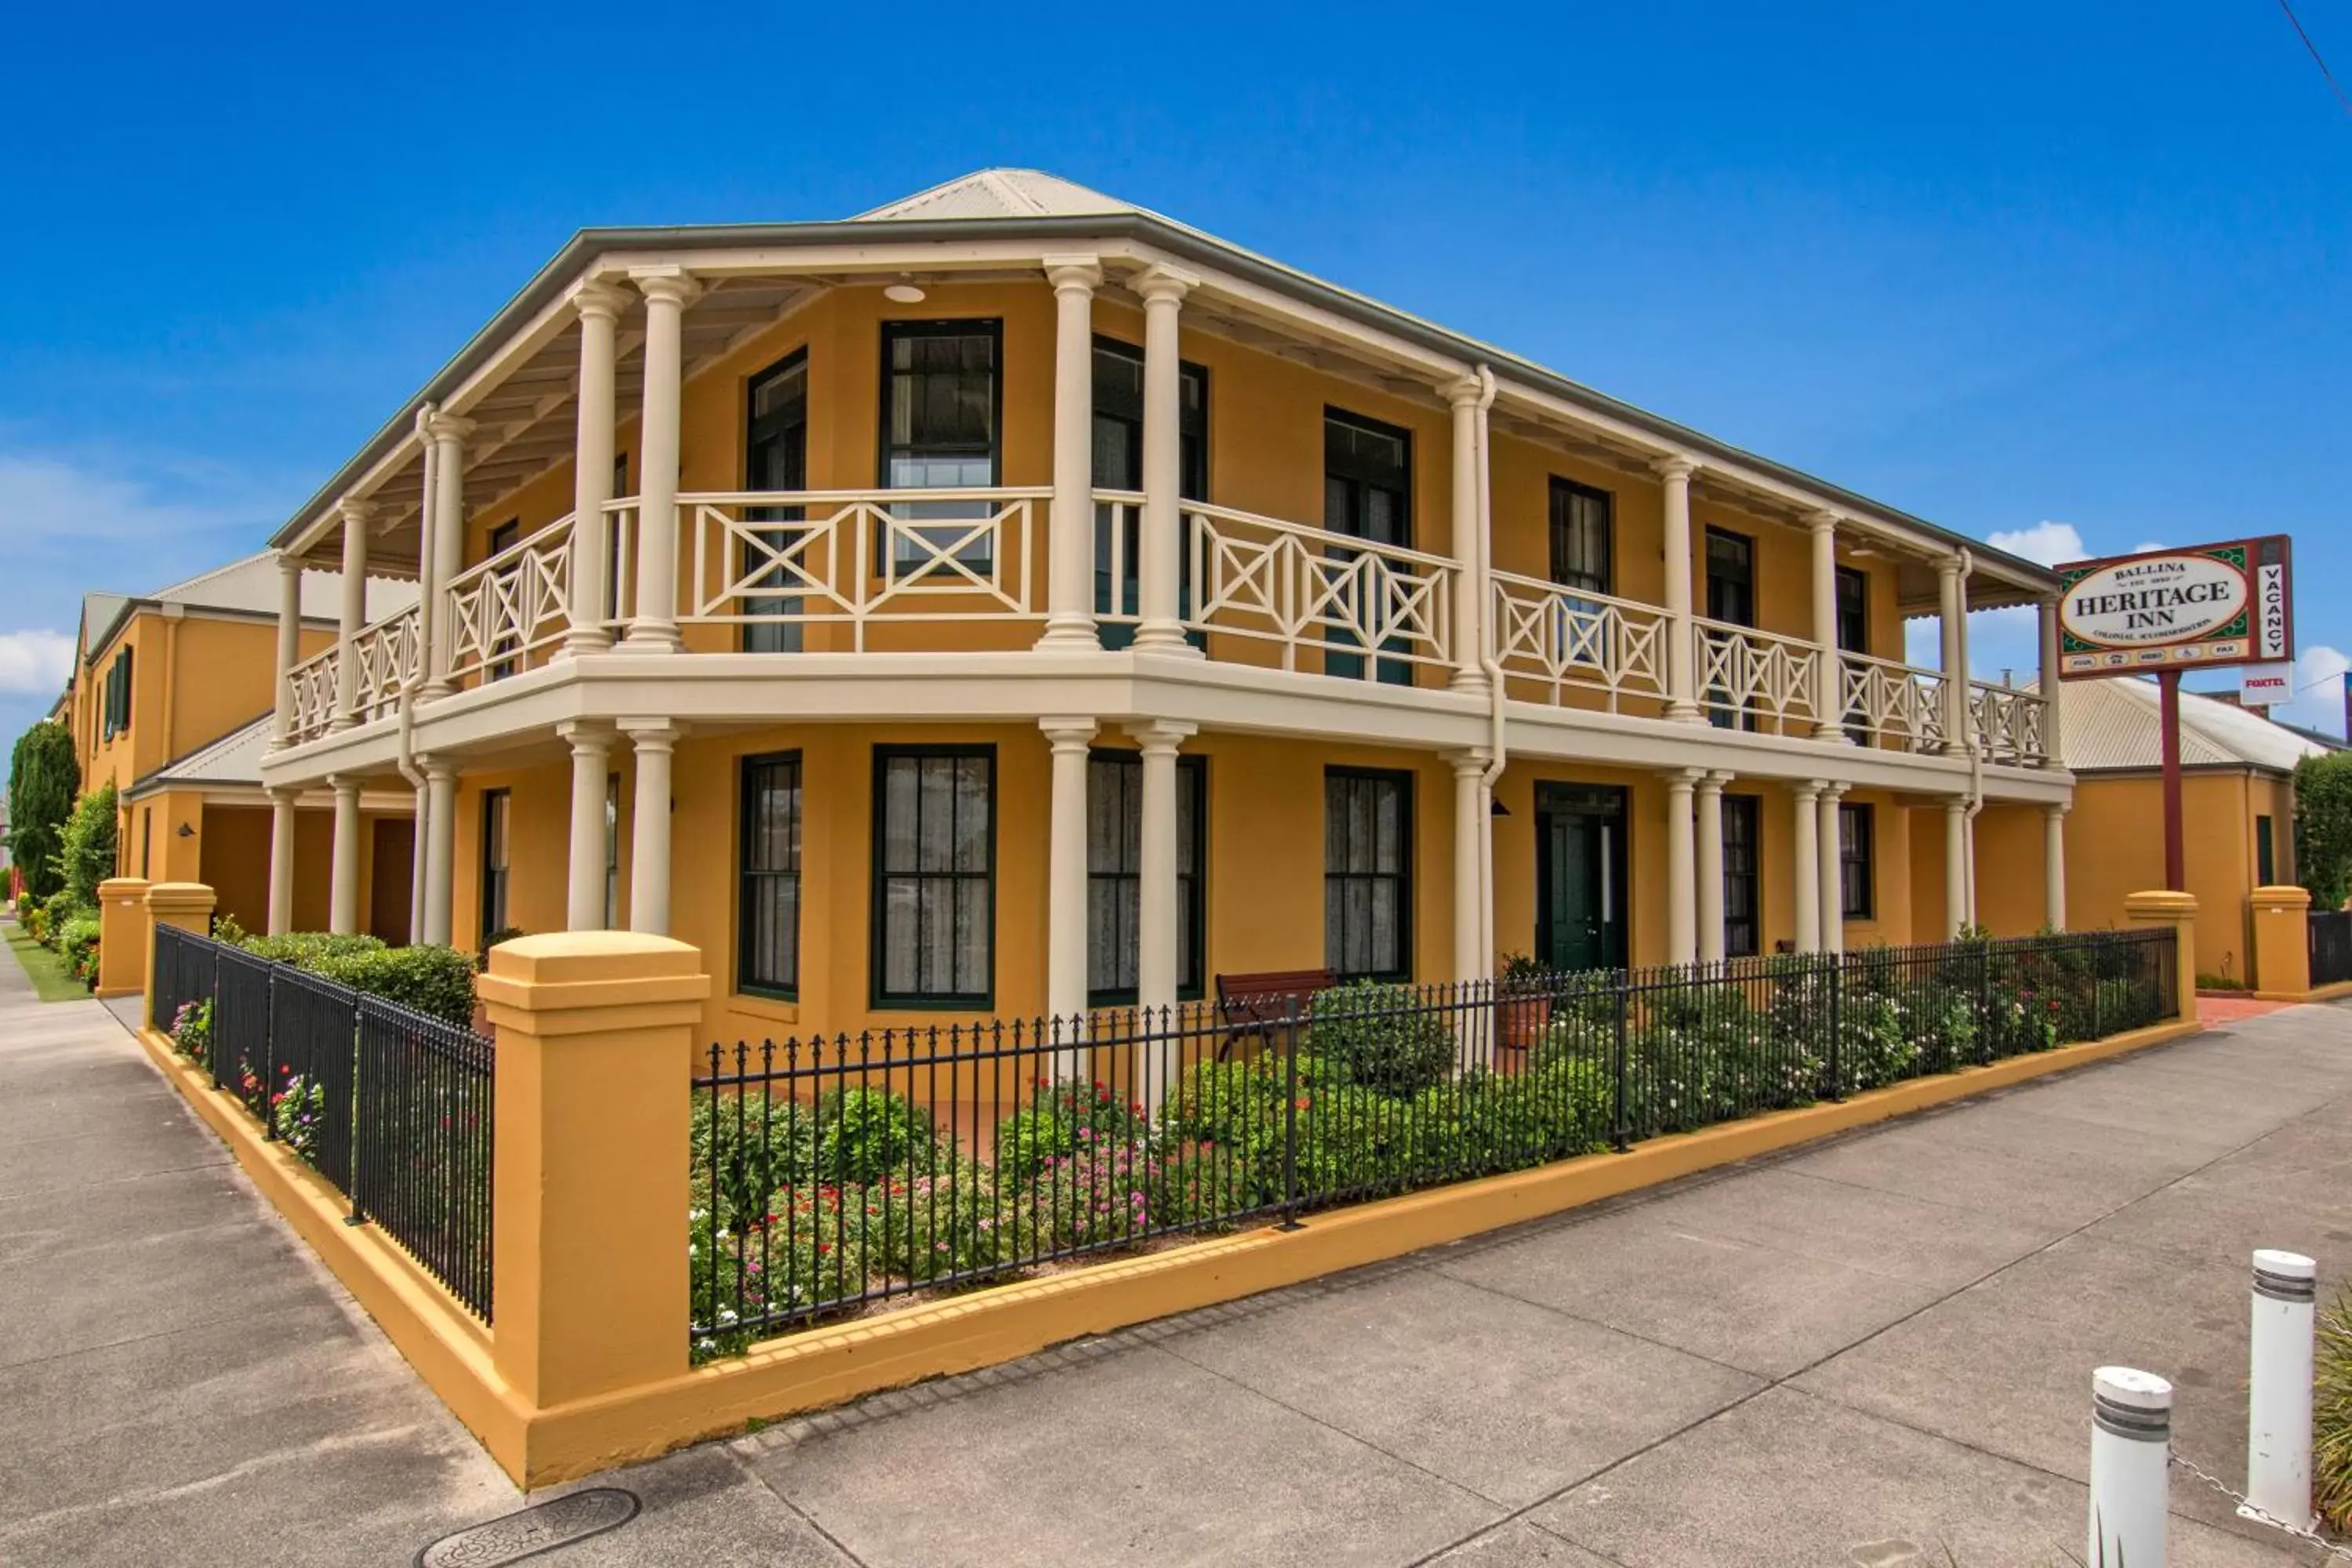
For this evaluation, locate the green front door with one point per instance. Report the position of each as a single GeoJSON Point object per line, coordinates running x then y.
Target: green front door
{"type": "Point", "coordinates": [1579, 877]}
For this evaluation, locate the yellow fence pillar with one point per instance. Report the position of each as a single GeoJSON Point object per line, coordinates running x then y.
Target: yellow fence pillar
{"type": "Point", "coordinates": [595, 1043]}
{"type": "Point", "coordinates": [2282, 947]}
{"type": "Point", "coordinates": [123, 936]}
{"type": "Point", "coordinates": [2177, 911]}
{"type": "Point", "coordinates": [187, 905]}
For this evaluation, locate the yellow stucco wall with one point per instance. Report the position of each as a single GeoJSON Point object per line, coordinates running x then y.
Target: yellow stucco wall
{"type": "Point", "coordinates": [2114, 845]}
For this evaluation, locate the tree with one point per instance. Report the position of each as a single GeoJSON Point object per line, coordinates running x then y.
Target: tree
{"type": "Point", "coordinates": [43, 779]}
{"type": "Point", "coordinates": [86, 847]}
{"type": "Point", "coordinates": [2323, 828]}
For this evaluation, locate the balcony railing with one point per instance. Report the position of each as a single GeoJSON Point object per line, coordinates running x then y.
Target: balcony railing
{"type": "Point", "coordinates": [1569, 639]}
{"type": "Point", "coordinates": [1307, 598]}
{"type": "Point", "coordinates": [856, 557]}
{"type": "Point", "coordinates": [1752, 677]}
{"type": "Point", "coordinates": [1895, 705]}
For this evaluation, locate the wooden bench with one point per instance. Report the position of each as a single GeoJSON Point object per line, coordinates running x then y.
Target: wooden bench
{"type": "Point", "coordinates": [1253, 1005]}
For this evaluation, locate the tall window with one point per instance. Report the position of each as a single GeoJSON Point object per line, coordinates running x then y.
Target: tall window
{"type": "Point", "coordinates": [1119, 466]}
{"type": "Point", "coordinates": [775, 458]}
{"type": "Point", "coordinates": [1731, 599]}
{"type": "Point", "coordinates": [2265, 854]}
{"type": "Point", "coordinates": [1852, 609]}
{"type": "Point", "coordinates": [1114, 874]}
{"type": "Point", "coordinates": [1367, 494]}
{"type": "Point", "coordinates": [503, 538]}
{"type": "Point", "coordinates": [147, 827]}
{"type": "Point", "coordinates": [934, 874]}
{"type": "Point", "coordinates": [495, 803]}
{"type": "Point", "coordinates": [768, 867]}
{"type": "Point", "coordinates": [1581, 529]}
{"type": "Point", "coordinates": [940, 415]}
{"type": "Point", "coordinates": [117, 702]}
{"type": "Point", "coordinates": [1367, 873]}
{"type": "Point", "coordinates": [611, 851]}
{"type": "Point", "coordinates": [1857, 861]}
{"type": "Point", "coordinates": [1742, 854]}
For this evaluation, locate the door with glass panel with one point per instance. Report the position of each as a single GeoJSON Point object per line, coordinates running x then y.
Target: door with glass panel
{"type": "Point", "coordinates": [1581, 919]}
{"type": "Point", "coordinates": [508, 587]}
{"type": "Point", "coordinates": [1367, 495]}
{"type": "Point", "coordinates": [940, 416]}
{"type": "Point", "coordinates": [1731, 600]}
{"type": "Point", "coordinates": [1582, 560]}
{"type": "Point", "coordinates": [775, 458]}
{"type": "Point", "coordinates": [1742, 875]}
{"type": "Point", "coordinates": [1119, 466]}
{"type": "Point", "coordinates": [1852, 636]}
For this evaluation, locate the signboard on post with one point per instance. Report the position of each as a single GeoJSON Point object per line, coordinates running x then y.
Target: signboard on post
{"type": "Point", "coordinates": [2206, 606]}
{"type": "Point", "coordinates": [2265, 685]}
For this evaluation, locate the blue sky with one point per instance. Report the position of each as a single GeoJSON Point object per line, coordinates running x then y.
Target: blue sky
{"type": "Point", "coordinates": [2003, 265]}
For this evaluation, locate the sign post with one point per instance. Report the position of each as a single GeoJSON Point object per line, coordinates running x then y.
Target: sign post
{"type": "Point", "coordinates": [2166, 611]}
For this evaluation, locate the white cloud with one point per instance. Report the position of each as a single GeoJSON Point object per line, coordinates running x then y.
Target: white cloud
{"type": "Point", "coordinates": [35, 662]}
{"type": "Point", "coordinates": [47, 499]}
{"type": "Point", "coordinates": [2045, 544]}
{"type": "Point", "coordinates": [2318, 703]}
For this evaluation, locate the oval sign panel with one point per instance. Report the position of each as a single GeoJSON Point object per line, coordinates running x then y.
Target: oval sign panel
{"type": "Point", "coordinates": [2154, 599]}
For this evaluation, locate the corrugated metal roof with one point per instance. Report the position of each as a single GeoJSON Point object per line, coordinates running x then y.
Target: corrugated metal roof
{"type": "Point", "coordinates": [234, 759]}
{"type": "Point", "coordinates": [1001, 192]}
{"type": "Point", "coordinates": [248, 584]}
{"type": "Point", "coordinates": [2114, 724]}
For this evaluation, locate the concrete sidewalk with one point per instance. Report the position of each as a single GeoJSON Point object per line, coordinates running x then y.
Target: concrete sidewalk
{"type": "Point", "coordinates": [1866, 1353]}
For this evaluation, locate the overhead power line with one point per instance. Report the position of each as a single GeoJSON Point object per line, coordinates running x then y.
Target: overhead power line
{"type": "Point", "coordinates": [2316, 58]}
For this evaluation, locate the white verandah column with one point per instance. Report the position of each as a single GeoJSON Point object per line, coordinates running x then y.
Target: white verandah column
{"type": "Point", "coordinates": [652, 740]}
{"type": "Point", "coordinates": [2053, 753]}
{"type": "Point", "coordinates": [289, 648]}
{"type": "Point", "coordinates": [1156, 923]}
{"type": "Point", "coordinates": [1805, 836]}
{"type": "Point", "coordinates": [1160, 572]}
{"type": "Point", "coordinates": [652, 627]}
{"type": "Point", "coordinates": [583, 895]}
{"type": "Point", "coordinates": [1828, 685]}
{"type": "Point", "coordinates": [1682, 916]}
{"type": "Point", "coordinates": [1832, 906]}
{"type": "Point", "coordinates": [440, 849]}
{"type": "Point", "coordinates": [355, 614]}
{"type": "Point", "coordinates": [1065, 876]}
{"type": "Point", "coordinates": [1710, 867]}
{"type": "Point", "coordinates": [1682, 700]}
{"type": "Point", "coordinates": [599, 306]}
{"type": "Point", "coordinates": [1472, 806]}
{"type": "Point", "coordinates": [1956, 866]}
{"type": "Point", "coordinates": [445, 543]}
{"type": "Point", "coordinates": [1070, 519]}
{"type": "Point", "coordinates": [1469, 605]}
{"type": "Point", "coordinates": [281, 861]}
{"type": "Point", "coordinates": [343, 886]}
{"type": "Point", "coordinates": [1952, 655]}
{"type": "Point", "coordinates": [2054, 866]}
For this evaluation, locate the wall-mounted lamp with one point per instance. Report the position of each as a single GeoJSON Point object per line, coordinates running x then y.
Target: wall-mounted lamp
{"type": "Point", "coordinates": [187, 830]}
{"type": "Point", "coordinates": [903, 294]}
{"type": "Point", "coordinates": [1496, 808]}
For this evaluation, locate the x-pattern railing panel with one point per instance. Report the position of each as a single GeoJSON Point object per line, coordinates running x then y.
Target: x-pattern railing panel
{"type": "Point", "coordinates": [516, 601]}
{"type": "Point", "coordinates": [1894, 702]}
{"type": "Point", "coordinates": [390, 655]}
{"type": "Point", "coordinates": [2005, 724]}
{"type": "Point", "coordinates": [1308, 588]}
{"type": "Point", "coordinates": [312, 683]}
{"type": "Point", "coordinates": [1749, 671]}
{"type": "Point", "coordinates": [1570, 637]}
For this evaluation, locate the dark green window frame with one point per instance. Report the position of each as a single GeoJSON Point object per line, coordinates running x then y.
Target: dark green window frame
{"type": "Point", "coordinates": [1349, 866]}
{"type": "Point", "coordinates": [981, 994]}
{"type": "Point", "coordinates": [1743, 876]}
{"type": "Point", "coordinates": [1118, 885]}
{"type": "Point", "coordinates": [497, 861]}
{"type": "Point", "coordinates": [1857, 860]}
{"type": "Point", "coordinates": [767, 926]}
{"type": "Point", "coordinates": [1583, 537]}
{"type": "Point", "coordinates": [2266, 852]}
{"type": "Point", "coordinates": [888, 449]}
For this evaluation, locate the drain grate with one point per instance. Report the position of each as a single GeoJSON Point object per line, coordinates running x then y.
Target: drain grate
{"type": "Point", "coordinates": [575, 1516]}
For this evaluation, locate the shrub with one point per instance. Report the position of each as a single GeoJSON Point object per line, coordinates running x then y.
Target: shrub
{"type": "Point", "coordinates": [297, 1109]}
{"type": "Point", "coordinates": [77, 942]}
{"type": "Point", "coordinates": [504, 933]}
{"type": "Point", "coordinates": [745, 1148]}
{"type": "Point", "coordinates": [436, 981]}
{"type": "Point", "coordinates": [1378, 1036]}
{"type": "Point", "coordinates": [785, 1258]}
{"type": "Point", "coordinates": [1063, 1119]}
{"type": "Point", "coordinates": [2331, 1415]}
{"type": "Point", "coordinates": [1099, 1196]}
{"type": "Point", "coordinates": [86, 845]}
{"type": "Point", "coordinates": [191, 1028]}
{"type": "Point", "coordinates": [942, 1223]}
{"type": "Point", "coordinates": [42, 779]}
{"type": "Point", "coordinates": [2323, 828]}
{"type": "Point", "coordinates": [868, 1134]}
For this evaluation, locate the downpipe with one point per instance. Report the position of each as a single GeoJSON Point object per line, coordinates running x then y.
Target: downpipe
{"type": "Point", "coordinates": [1497, 727]}
{"type": "Point", "coordinates": [1976, 752]}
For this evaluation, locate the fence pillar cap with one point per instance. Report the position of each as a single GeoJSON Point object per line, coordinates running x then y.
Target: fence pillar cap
{"type": "Point", "coordinates": [124, 890]}
{"type": "Point", "coordinates": [180, 897]}
{"type": "Point", "coordinates": [2273, 895]}
{"type": "Point", "coordinates": [560, 980]}
{"type": "Point", "coordinates": [2160, 905]}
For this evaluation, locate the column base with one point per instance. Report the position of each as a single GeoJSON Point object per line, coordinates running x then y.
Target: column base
{"type": "Point", "coordinates": [597, 642]}
{"type": "Point", "coordinates": [651, 640]}
{"type": "Point", "coordinates": [1166, 640]}
{"type": "Point", "coordinates": [1069, 634]}
{"type": "Point", "coordinates": [1472, 681]}
{"type": "Point", "coordinates": [1833, 734]}
{"type": "Point", "coordinates": [1685, 712]}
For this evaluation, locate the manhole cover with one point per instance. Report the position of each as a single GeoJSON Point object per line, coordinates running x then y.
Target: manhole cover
{"type": "Point", "coordinates": [575, 1516]}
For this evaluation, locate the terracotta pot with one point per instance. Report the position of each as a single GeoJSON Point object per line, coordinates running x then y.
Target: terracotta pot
{"type": "Point", "coordinates": [1524, 1021]}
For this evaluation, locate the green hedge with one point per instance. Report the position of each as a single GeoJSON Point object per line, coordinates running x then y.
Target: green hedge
{"type": "Point", "coordinates": [434, 981]}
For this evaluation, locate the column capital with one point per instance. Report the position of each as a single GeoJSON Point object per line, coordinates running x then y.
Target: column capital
{"type": "Point", "coordinates": [425, 413]}
{"type": "Point", "coordinates": [437, 767]}
{"type": "Point", "coordinates": [598, 297]}
{"type": "Point", "coordinates": [1831, 789]}
{"type": "Point", "coordinates": [1470, 761]}
{"type": "Point", "coordinates": [1674, 467]}
{"type": "Point", "coordinates": [1807, 790]}
{"type": "Point", "coordinates": [1947, 568]}
{"type": "Point", "coordinates": [1163, 734]}
{"type": "Point", "coordinates": [344, 784]}
{"type": "Point", "coordinates": [652, 734]}
{"type": "Point", "coordinates": [1163, 284]}
{"type": "Point", "coordinates": [281, 795]}
{"type": "Point", "coordinates": [1823, 522]}
{"type": "Point", "coordinates": [357, 512]}
{"type": "Point", "coordinates": [1710, 781]}
{"type": "Point", "coordinates": [670, 285]}
{"type": "Point", "coordinates": [1681, 781]}
{"type": "Point", "coordinates": [290, 564]}
{"type": "Point", "coordinates": [444, 426]}
{"type": "Point", "coordinates": [2056, 809]}
{"type": "Point", "coordinates": [586, 734]}
{"type": "Point", "coordinates": [1464, 391]}
{"type": "Point", "coordinates": [1077, 273]}
{"type": "Point", "coordinates": [1068, 734]}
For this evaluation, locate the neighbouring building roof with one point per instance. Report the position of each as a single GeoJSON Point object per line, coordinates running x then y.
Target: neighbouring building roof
{"type": "Point", "coordinates": [233, 759]}
{"type": "Point", "coordinates": [1002, 192]}
{"type": "Point", "coordinates": [248, 587]}
{"type": "Point", "coordinates": [2112, 724]}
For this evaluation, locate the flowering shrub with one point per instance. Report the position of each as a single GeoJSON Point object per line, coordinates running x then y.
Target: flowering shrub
{"type": "Point", "coordinates": [1063, 1119]}
{"type": "Point", "coordinates": [191, 1028]}
{"type": "Point", "coordinates": [866, 1134]}
{"type": "Point", "coordinates": [77, 942]}
{"type": "Point", "coordinates": [296, 1111]}
{"type": "Point", "coordinates": [1382, 1036]}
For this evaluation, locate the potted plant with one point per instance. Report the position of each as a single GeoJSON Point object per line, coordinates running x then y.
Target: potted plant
{"type": "Point", "coordinates": [1522, 1010]}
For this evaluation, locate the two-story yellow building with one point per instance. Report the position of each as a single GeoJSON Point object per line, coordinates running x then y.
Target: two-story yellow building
{"type": "Point", "coordinates": [170, 702]}
{"type": "Point", "coordinates": [1012, 599]}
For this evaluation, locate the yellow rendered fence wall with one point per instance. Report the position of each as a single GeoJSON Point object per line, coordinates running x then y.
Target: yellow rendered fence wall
{"type": "Point", "coordinates": [2114, 845]}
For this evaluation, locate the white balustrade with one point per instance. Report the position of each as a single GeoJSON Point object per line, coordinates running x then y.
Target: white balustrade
{"type": "Point", "coordinates": [510, 605]}
{"type": "Point", "coordinates": [1899, 704]}
{"type": "Point", "coordinates": [390, 654]}
{"type": "Point", "coordinates": [1567, 638]}
{"type": "Point", "coordinates": [852, 557]}
{"type": "Point", "coordinates": [1301, 587]}
{"type": "Point", "coordinates": [2005, 724]}
{"type": "Point", "coordinates": [1742, 670]}
{"type": "Point", "coordinates": [314, 685]}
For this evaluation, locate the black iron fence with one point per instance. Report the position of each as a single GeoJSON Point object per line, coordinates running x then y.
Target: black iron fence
{"type": "Point", "coordinates": [390, 1106]}
{"type": "Point", "coordinates": [837, 1171]}
{"type": "Point", "coordinates": [2331, 946]}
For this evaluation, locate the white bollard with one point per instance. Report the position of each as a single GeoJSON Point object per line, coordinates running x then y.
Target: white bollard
{"type": "Point", "coordinates": [2278, 1404]}
{"type": "Point", "coordinates": [2131, 1451]}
